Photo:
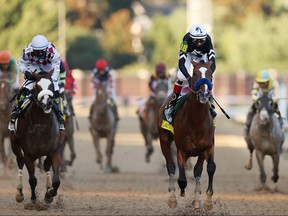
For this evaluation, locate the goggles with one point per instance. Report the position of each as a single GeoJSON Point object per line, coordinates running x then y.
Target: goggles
{"type": "Point", "coordinates": [198, 41]}
{"type": "Point", "coordinates": [39, 53]}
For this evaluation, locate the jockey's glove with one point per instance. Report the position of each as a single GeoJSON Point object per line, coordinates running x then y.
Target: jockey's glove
{"type": "Point", "coordinates": [29, 76]}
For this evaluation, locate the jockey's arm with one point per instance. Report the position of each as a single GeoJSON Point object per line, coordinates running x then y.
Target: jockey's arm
{"type": "Point", "coordinates": [254, 92]}
{"type": "Point", "coordinates": [56, 66]}
{"type": "Point", "coordinates": [23, 62]}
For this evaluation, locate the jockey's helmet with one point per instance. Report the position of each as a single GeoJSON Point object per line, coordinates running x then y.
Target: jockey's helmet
{"type": "Point", "coordinates": [160, 70]}
{"type": "Point", "coordinates": [101, 64]}
{"type": "Point", "coordinates": [5, 57]}
{"type": "Point", "coordinates": [39, 44]}
{"type": "Point", "coordinates": [263, 76]}
{"type": "Point", "coordinates": [198, 34]}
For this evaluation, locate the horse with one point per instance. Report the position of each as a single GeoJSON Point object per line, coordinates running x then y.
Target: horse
{"type": "Point", "coordinates": [193, 134]}
{"type": "Point", "coordinates": [265, 136]}
{"type": "Point", "coordinates": [37, 134]}
{"type": "Point", "coordinates": [69, 133]}
{"type": "Point", "coordinates": [5, 110]}
{"type": "Point", "coordinates": [103, 124]}
{"type": "Point", "coordinates": [148, 123]}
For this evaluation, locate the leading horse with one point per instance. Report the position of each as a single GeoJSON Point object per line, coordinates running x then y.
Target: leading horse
{"type": "Point", "coordinates": [193, 136]}
{"type": "Point", "coordinates": [265, 136]}
{"type": "Point", "coordinates": [37, 134]}
{"type": "Point", "coordinates": [103, 124]}
{"type": "Point", "coordinates": [148, 122]}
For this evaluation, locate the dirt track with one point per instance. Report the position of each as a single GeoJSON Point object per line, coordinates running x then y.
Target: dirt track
{"type": "Point", "coordinates": [141, 188]}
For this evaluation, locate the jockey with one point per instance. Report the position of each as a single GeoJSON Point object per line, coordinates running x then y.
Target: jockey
{"type": "Point", "coordinates": [9, 69]}
{"type": "Point", "coordinates": [103, 73]}
{"type": "Point", "coordinates": [70, 84]}
{"type": "Point", "coordinates": [39, 55]}
{"type": "Point", "coordinates": [196, 45]}
{"type": "Point", "coordinates": [263, 83]}
{"type": "Point", "coordinates": [159, 74]}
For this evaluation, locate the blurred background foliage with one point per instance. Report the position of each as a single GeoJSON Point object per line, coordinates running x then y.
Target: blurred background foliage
{"type": "Point", "coordinates": [247, 35]}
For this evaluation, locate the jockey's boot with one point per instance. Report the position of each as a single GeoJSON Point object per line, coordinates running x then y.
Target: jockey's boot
{"type": "Point", "coordinates": [175, 95]}
{"type": "Point", "coordinates": [17, 109]}
{"type": "Point", "coordinates": [114, 108]}
{"type": "Point", "coordinates": [212, 108]}
{"type": "Point", "coordinates": [59, 114]}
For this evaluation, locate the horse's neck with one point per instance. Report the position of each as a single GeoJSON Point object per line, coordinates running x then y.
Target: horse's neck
{"type": "Point", "coordinates": [195, 108]}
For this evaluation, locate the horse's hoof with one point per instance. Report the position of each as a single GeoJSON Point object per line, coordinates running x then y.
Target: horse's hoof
{"type": "Point", "coordinates": [172, 203]}
{"type": "Point", "coordinates": [208, 205]}
{"type": "Point", "coordinates": [197, 204]}
{"type": "Point", "coordinates": [48, 199]}
{"type": "Point", "coordinates": [248, 167]}
{"type": "Point", "coordinates": [19, 198]}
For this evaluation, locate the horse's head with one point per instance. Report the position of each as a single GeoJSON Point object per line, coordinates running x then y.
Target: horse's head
{"type": "Point", "coordinates": [43, 90]}
{"type": "Point", "coordinates": [201, 83]}
{"type": "Point", "coordinates": [161, 90]}
{"type": "Point", "coordinates": [101, 92]}
{"type": "Point", "coordinates": [5, 93]}
{"type": "Point", "coordinates": [264, 106]}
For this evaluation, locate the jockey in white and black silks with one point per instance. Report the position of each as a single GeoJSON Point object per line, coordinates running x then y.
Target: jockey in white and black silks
{"type": "Point", "coordinates": [197, 46]}
{"type": "Point", "coordinates": [39, 55]}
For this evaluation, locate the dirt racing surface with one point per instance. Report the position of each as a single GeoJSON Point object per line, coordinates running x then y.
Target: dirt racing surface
{"type": "Point", "coordinates": [141, 188]}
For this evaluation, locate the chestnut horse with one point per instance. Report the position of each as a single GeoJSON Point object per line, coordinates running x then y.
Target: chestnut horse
{"type": "Point", "coordinates": [193, 136]}
{"type": "Point", "coordinates": [265, 136]}
{"type": "Point", "coordinates": [103, 124]}
{"type": "Point", "coordinates": [37, 134]}
{"type": "Point", "coordinates": [5, 110]}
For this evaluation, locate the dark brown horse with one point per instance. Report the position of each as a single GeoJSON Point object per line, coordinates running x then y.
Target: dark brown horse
{"type": "Point", "coordinates": [148, 123]}
{"type": "Point", "coordinates": [37, 134]}
{"type": "Point", "coordinates": [193, 136]}
{"type": "Point", "coordinates": [103, 124]}
{"type": "Point", "coordinates": [69, 133]}
{"type": "Point", "coordinates": [5, 110]}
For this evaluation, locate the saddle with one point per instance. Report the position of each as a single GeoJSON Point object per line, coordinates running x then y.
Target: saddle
{"type": "Point", "coordinates": [168, 114]}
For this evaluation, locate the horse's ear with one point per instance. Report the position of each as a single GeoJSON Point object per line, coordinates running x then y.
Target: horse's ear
{"type": "Point", "coordinates": [51, 72]}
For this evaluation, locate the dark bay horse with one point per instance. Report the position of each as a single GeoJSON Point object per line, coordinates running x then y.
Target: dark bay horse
{"type": "Point", "coordinates": [5, 110]}
{"type": "Point", "coordinates": [69, 133]}
{"type": "Point", "coordinates": [148, 123]}
{"type": "Point", "coordinates": [193, 136]}
{"type": "Point", "coordinates": [37, 134]}
{"type": "Point", "coordinates": [103, 124]}
{"type": "Point", "coordinates": [265, 136]}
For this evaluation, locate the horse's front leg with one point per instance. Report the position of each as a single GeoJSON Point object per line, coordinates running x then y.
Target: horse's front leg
{"type": "Point", "coordinates": [211, 168]}
{"type": "Point", "coordinates": [182, 180]}
{"type": "Point", "coordinates": [49, 190]}
{"type": "Point", "coordinates": [275, 159]}
{"type": "Point", "coordinates": [96, 142]}
{"type": "Point", "coordinates": [109, 153]}
{"type": "Point", "coordinates": [260, 160]}
{"type": "Point", "coordinates": [32, 179]}
{"type": "Point", "coordinates": [70, 142]}
{"type": "Point", "coordinates": [198, 168]}
{"type": "Point", "coordinates": [19, 197]}
{"type": "Point", "coordinates": [149, 146]}
{"type": "Point", "coordinates": [55, 161]}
